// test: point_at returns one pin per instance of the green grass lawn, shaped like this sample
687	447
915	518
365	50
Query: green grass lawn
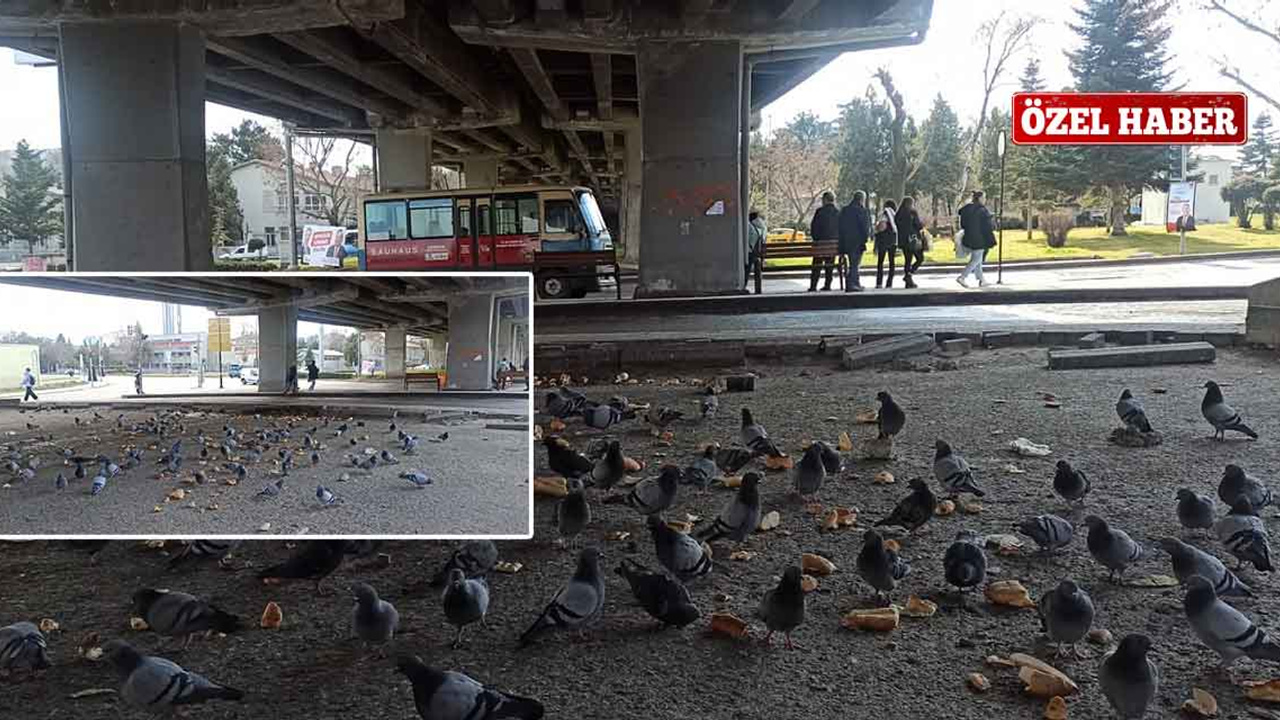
1087	243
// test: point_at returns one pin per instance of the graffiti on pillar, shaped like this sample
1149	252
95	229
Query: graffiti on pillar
699	199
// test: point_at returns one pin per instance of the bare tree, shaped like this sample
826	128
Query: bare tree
1272	34
798	161
329	172
904	167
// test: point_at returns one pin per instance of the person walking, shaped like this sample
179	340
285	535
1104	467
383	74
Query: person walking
756	232
979	237
291	380
28	385
886	242
855	230
910	239
824	228
137	381
313	374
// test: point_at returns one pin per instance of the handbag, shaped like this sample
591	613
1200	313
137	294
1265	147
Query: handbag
926	241
961	251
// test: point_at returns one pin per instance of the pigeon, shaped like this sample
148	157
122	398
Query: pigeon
610	469
80	472
197	550
177	614
444	695
952	472
410	445
1066	614
1049	532
703	471
1236	482
317	560
23	647
809	473
563	459
465	601
1070	483
1195	511
662	416
1244	536
601	417
783	607
1190	560
386	457
732	459
880	567
1131	413
740	516
652	496
441	437
682	556
373	619
474	558
417	478
271	489
1128	678
965	564
573	513
710	404
368	463
99	483
60	482
155	684
315	458
1224	629
913	510
891	417
756	438
326	496
563	403
666	600
1113	549
577	604
1220	415
831	460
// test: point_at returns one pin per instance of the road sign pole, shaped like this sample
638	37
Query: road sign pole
1182	235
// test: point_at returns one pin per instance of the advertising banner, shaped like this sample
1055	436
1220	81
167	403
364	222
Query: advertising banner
1180	214
321	243
1069	118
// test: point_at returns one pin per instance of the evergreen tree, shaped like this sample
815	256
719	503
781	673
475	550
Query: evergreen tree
1256	155
942	155
864	149
30	208
988	176
1122	50
1031	80
248	141
226	219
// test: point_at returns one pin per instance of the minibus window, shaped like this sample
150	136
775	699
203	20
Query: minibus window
431	218
385	220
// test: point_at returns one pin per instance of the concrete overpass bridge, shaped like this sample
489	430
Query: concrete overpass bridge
462	317
648	102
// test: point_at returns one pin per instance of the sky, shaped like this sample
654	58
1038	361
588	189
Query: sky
948	61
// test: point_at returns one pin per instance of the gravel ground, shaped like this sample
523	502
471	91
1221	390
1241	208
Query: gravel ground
626	669
468	497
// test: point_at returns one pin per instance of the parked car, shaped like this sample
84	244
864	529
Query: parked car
249	376
242	252
233	370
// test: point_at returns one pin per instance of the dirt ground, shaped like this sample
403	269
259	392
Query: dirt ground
480	478
626	669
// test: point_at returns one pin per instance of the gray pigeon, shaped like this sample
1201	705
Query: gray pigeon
453	696
1245	536
1113	549
652	496
601	417
891	418
1066	614
1131	412
1070	483
1224	629
1049	532
1189	560
965	564
831	460
474	558
156	684
683	556
740	516
666	600
1220	415
373	619
465	601
710	404
809	473
573	513
756	438
783	607
23	647
177	614
610	469
703	471
1235	482
1195	511
879	566
577	604
1128	678
953	472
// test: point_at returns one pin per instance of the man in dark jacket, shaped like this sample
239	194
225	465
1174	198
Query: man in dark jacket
824	228
979	237
313	374
855	231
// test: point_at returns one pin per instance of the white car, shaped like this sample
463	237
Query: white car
242	252
249	376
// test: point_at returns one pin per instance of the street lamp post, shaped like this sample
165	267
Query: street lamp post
1000	214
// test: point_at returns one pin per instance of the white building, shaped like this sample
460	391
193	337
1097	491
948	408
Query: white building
263	194
1210	207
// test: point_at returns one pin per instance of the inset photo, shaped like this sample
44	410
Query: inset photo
238	405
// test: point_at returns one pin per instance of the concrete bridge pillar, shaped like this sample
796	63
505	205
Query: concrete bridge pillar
134	106
632	205
1262	324
480	173
470	364
404	160
277	346
691	237
396	348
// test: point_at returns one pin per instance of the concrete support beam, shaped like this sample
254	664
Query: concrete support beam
470	363
404	160
602	77
885	350
690	242
480	173
236	17
1262	324
134	99
1137	356
277	347
632	205
396	346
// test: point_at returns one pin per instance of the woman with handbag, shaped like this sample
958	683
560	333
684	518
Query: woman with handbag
886	242
910	239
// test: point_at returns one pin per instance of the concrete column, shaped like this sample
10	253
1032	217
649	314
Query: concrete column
404	160
277	346
632	206
134	100
470	365
395	348
1262	323
480	173
690	241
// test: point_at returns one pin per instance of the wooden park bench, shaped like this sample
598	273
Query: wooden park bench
555	265
778	251
506	378
434	377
